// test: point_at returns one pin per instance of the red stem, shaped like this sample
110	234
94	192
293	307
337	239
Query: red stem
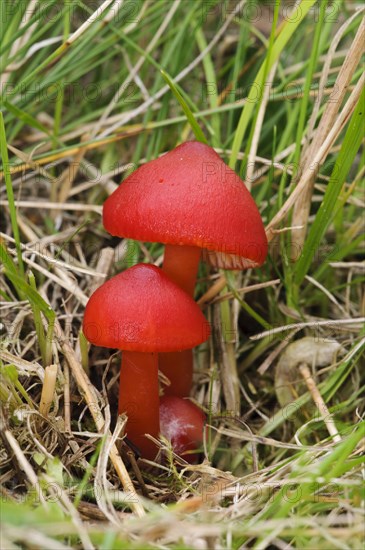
181	266
139	398
177	366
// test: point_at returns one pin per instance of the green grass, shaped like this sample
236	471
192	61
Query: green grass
10	194
349	149
74	121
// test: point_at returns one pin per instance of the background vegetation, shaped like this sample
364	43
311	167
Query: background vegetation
278	89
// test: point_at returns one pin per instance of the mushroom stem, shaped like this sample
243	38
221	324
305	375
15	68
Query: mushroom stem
139	398
177	366
181	266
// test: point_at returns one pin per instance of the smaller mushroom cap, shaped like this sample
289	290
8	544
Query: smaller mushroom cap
140	309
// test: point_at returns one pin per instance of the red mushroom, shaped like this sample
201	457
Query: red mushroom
182	423
191	201
141	312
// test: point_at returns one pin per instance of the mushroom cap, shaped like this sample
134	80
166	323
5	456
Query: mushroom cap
140	309
189	196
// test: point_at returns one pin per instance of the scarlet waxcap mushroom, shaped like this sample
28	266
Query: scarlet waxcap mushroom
190	197
142	312
191	201
182	423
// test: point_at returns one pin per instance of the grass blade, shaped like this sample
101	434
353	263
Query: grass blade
211	80
10	193
6	259
189	115
32	295
24	117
